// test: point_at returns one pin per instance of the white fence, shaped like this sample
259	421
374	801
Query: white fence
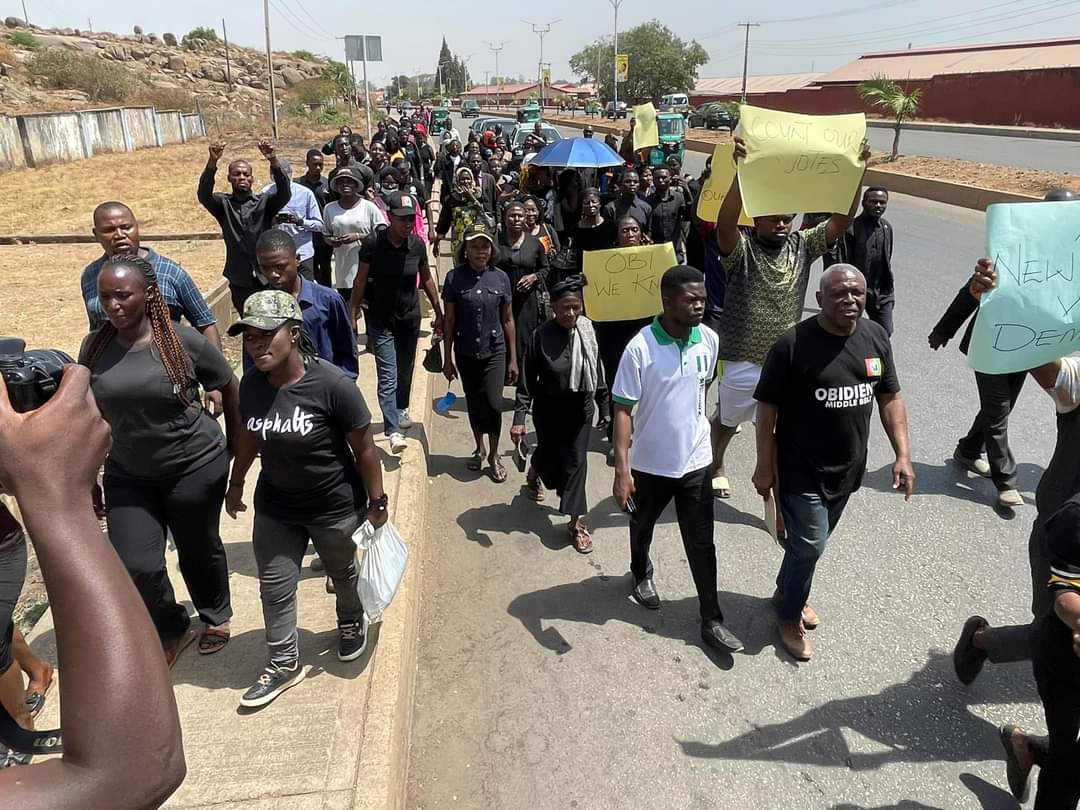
37	139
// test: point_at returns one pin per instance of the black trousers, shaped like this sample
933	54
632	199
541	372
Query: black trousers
880	312
990	430
12	578
139	512
1057	756
323	252
483	380
611	340
1012	642
694	510
241	294
307	268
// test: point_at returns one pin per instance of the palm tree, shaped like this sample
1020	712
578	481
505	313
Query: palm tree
883	92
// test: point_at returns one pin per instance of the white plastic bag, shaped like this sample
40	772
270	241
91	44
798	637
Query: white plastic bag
381	567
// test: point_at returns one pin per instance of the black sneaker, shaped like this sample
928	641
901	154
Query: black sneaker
273	681
352	639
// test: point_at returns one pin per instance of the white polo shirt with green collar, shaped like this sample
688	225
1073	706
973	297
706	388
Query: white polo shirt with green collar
665	380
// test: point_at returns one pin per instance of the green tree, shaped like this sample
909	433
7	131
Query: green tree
455	75
338	75
202	32
660	62
901	105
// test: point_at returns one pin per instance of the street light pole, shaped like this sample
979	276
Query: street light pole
746	54
615	60
270	70
498	78
541	32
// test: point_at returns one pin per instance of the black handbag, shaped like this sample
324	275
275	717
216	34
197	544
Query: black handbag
433	361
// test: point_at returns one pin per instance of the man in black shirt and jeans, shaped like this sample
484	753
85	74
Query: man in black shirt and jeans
391	261
815	398
243	216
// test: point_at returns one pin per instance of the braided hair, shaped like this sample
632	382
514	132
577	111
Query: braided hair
173	355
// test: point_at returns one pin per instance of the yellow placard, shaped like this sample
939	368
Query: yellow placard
799	163
645	131
718	184
624	283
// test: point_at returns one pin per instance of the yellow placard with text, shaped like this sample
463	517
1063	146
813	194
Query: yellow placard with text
624	283
799	163
645	130
718	185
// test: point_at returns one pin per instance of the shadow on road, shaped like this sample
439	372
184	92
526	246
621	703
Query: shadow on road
955	482
923	719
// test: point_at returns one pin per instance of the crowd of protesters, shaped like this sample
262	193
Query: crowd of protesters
308	258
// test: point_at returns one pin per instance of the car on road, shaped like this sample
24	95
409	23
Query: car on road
470	108
712	115
529	113
487	122
522	131
613	110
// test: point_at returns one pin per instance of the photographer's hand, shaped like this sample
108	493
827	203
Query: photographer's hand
117	753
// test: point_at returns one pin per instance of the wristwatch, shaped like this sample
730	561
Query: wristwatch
379	503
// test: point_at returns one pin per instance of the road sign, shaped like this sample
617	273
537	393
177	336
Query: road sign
354	49
622	67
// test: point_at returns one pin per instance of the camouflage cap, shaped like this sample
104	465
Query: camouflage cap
267	310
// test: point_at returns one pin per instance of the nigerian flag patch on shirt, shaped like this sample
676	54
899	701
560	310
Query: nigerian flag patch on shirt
873	366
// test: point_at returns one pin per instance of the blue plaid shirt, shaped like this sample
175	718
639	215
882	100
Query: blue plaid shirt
177	288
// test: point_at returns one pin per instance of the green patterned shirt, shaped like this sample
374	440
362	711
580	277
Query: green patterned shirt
764	292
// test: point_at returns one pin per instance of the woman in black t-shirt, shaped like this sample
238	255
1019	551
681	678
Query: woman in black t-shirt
479	327
168	463
592	231
320	479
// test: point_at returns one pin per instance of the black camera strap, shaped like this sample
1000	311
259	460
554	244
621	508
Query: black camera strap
17	738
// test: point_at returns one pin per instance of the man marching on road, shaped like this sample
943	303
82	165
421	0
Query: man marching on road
815	398
243	216
867	244
659	396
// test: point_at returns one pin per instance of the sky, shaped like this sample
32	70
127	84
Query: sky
790	39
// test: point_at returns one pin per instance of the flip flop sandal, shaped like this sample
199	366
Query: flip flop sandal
581	539
475	462
172	652
721	487
35	701
498	472
212	640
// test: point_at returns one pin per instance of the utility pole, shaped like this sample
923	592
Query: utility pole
541	32
228	64
26	17
270	70
746	54
615	60
89	24
498	78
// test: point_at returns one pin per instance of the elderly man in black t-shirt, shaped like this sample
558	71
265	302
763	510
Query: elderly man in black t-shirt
816	395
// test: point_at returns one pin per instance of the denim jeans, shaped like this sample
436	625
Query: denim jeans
809	520
394	347
279	549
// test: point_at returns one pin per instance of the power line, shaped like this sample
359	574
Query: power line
923	28
843	13
288	15
314	20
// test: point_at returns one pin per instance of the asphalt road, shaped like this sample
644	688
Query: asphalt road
541	684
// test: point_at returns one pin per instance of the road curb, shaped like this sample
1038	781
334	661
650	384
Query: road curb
982	129
382	770
927	188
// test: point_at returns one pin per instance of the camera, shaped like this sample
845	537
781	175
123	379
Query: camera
31	376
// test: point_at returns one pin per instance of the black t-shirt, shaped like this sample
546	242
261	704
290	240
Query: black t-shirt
392	281
154	434
10	531
823	386
308	470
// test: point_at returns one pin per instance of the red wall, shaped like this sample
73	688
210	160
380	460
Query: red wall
1046	98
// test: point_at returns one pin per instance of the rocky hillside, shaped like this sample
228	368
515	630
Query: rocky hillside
164	62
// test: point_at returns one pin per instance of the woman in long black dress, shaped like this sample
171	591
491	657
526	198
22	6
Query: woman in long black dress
561	371
525	262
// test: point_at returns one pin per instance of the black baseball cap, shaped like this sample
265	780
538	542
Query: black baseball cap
400	204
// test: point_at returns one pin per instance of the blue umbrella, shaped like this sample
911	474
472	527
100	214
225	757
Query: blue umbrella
577	153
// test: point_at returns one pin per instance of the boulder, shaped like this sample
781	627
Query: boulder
212	72
259	84
140	53
176	62
170	39
154	39
291	76
137	29
14	22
